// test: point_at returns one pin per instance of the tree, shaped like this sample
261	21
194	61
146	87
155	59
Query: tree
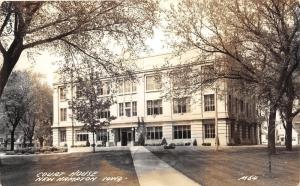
289	108
89	27
43	129
37	118
255	42
87	107
15	101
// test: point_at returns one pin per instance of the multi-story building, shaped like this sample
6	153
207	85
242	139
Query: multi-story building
140	108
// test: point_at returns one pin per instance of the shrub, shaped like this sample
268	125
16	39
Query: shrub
195	142
164	141
170	146
180	144
65	145
10	153
187	144
206	144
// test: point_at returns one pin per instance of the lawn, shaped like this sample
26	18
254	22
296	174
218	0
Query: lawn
233	166
101	168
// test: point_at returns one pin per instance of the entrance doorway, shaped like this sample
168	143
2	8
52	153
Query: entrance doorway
124	138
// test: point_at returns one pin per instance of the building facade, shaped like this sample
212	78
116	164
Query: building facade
142	111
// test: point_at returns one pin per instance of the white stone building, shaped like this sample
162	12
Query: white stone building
140	108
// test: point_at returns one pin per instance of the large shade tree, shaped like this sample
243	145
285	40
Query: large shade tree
15	101
255	42
89	27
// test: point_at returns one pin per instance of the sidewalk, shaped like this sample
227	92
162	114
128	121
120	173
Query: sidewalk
153	171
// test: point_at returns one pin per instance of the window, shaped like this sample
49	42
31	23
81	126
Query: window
182	132
153	83
242	105
62	135
105	114
232	130
229	104
244	132
79	93
1	140
63	114
247	109
121	109
236	105
154	133
120	86
62	93
102	135
129	108
154	107
181	105
134	108
209	130
207	73
103	88
209	102
126	86
82	136
249	132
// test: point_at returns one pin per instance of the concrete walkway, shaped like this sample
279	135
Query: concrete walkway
153	171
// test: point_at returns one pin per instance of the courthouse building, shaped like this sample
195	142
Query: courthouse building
141	110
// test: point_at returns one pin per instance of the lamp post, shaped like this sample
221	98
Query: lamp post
216	120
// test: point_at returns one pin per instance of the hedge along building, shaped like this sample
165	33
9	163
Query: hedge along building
142	109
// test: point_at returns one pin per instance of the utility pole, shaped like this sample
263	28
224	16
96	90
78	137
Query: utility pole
72	85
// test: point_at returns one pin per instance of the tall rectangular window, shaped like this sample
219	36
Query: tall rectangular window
153	83
103	88
249	132
229	104
242	105
62	93
236	105
128	109
134	108
62	135
154	133
181	105
209	102
209	130
120	86
121	109
154	107
244	132
182	132
63	114
207	74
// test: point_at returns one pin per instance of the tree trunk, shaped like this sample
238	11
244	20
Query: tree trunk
12	139
94	148
10	60
288	135
271	129
41	141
